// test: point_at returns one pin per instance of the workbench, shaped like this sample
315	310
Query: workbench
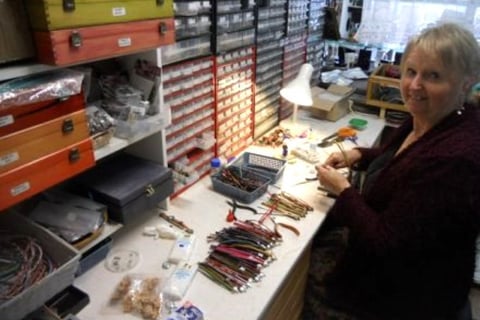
279	295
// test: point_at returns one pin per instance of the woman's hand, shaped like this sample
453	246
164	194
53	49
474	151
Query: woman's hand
337	160
331	179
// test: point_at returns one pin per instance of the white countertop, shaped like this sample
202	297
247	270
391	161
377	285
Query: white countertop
205	211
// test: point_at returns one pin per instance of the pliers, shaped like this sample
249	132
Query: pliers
235	205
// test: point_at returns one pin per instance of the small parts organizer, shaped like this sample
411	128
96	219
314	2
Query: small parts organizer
234	26
234	97
192	31
293	58
189	93
269	65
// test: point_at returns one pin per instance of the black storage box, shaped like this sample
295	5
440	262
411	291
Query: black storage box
128	186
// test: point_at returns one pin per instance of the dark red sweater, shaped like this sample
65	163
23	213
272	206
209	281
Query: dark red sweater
412	235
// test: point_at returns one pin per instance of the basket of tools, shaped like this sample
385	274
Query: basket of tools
241	184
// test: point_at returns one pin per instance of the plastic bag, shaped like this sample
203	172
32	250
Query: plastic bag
40	87
139	294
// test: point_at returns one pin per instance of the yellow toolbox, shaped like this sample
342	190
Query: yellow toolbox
63	14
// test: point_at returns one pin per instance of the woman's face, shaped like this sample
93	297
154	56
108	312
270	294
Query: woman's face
430	89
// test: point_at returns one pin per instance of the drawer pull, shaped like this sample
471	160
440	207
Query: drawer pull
149	190
68	5
68	126
74	155
162	28
160	2
76	39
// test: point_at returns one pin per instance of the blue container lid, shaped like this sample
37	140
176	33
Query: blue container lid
215	163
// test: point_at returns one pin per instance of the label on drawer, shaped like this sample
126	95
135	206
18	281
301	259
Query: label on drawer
6	120
8	158
21	188
124	42
119	11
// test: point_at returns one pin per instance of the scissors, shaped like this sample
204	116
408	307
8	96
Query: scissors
338	136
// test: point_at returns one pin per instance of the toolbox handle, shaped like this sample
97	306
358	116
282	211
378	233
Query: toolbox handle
74	155
75	39
162	28
68	126
68	5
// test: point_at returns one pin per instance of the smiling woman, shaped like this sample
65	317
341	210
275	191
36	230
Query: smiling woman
405	244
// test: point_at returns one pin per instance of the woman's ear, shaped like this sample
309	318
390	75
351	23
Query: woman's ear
468	84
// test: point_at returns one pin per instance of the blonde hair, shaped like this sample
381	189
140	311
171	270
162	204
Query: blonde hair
456	47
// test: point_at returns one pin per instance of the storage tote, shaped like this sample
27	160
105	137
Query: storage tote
65	259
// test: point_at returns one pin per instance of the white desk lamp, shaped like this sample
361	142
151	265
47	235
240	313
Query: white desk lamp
298	90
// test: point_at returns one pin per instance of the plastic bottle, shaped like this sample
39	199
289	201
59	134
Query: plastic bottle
215	166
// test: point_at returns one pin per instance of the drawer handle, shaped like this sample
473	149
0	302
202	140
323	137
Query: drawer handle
76	39
67	126
162	28
160	2
150	191
68	5
74	155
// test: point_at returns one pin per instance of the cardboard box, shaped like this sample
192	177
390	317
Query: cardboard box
331	104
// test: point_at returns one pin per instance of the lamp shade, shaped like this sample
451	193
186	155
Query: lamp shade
298	90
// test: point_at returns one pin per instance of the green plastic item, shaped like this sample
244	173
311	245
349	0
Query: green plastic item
357	123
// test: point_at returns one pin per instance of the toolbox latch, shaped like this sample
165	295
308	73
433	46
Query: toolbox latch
162	28
67	126
68	5
75	39
74	155
149	190
160	2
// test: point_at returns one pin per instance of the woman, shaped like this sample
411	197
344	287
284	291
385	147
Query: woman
410	252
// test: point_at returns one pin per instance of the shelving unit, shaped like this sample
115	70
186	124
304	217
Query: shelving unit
350	17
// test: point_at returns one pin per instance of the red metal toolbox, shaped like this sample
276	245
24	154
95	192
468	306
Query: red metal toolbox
25	181
64	14
73	46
